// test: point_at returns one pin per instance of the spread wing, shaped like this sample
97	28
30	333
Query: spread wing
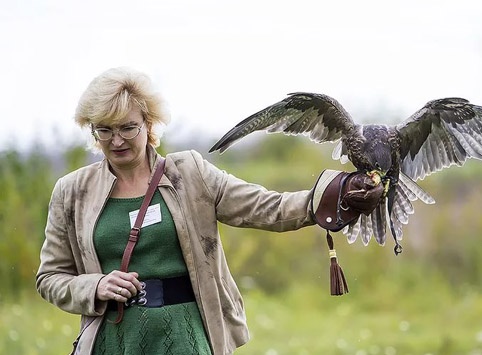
444	132
317	116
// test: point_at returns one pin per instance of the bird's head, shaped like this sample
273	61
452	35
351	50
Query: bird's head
379	157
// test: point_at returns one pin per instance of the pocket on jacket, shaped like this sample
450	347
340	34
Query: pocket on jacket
236	303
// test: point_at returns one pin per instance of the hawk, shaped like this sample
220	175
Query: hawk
442	133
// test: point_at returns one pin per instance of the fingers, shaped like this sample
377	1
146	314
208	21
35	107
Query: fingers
120	295
129	281
118	286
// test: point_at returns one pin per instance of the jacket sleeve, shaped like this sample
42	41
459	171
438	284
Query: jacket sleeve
243	204
59	280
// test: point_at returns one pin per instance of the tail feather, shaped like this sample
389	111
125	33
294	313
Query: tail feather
378	217
401	207
366	229
404	198
352	230
395	216
416	189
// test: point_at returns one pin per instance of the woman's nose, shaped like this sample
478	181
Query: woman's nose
117	140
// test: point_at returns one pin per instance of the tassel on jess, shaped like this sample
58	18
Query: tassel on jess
338	285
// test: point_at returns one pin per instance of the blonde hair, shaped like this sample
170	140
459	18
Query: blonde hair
110	96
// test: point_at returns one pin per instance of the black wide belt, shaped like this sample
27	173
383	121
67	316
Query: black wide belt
161	292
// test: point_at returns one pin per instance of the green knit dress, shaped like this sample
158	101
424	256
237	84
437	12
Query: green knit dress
174	329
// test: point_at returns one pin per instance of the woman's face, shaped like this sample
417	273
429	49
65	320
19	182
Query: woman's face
125	153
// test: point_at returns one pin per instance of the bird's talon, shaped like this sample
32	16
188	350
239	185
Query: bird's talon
375	176
387	186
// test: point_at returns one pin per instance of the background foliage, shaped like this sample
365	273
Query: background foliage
428	300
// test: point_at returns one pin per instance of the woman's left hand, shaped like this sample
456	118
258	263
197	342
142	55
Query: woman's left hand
118	286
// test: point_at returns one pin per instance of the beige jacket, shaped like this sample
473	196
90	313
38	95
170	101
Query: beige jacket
198	195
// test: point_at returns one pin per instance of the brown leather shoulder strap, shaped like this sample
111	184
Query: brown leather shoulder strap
136	229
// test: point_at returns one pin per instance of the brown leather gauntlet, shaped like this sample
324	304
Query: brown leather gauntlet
339	198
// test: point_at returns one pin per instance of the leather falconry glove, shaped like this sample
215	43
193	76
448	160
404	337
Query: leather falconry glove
338	199
361	193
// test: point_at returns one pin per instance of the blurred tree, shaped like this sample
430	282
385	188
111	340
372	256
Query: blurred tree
24	191
75	157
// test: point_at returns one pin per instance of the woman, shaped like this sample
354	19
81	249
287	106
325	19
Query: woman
88	226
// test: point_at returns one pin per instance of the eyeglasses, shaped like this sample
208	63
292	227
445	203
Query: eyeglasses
128	132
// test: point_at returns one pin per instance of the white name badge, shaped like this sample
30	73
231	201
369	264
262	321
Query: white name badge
153	215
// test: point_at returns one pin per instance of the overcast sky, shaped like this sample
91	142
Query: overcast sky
218	61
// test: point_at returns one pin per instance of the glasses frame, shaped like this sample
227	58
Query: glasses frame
117	130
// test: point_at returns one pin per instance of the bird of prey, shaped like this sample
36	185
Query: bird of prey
442	133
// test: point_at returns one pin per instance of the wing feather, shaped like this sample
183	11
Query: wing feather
317	116
340	152
443	133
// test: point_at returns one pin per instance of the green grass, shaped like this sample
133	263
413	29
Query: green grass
301	323
31	326
430	318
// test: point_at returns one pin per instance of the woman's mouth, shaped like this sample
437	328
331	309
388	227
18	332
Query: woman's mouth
120	151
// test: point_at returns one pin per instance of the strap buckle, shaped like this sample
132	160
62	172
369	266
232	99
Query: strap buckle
151	295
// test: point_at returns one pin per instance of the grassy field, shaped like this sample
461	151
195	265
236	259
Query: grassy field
301	323
302	320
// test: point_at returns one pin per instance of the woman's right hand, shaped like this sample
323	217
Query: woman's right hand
118	286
